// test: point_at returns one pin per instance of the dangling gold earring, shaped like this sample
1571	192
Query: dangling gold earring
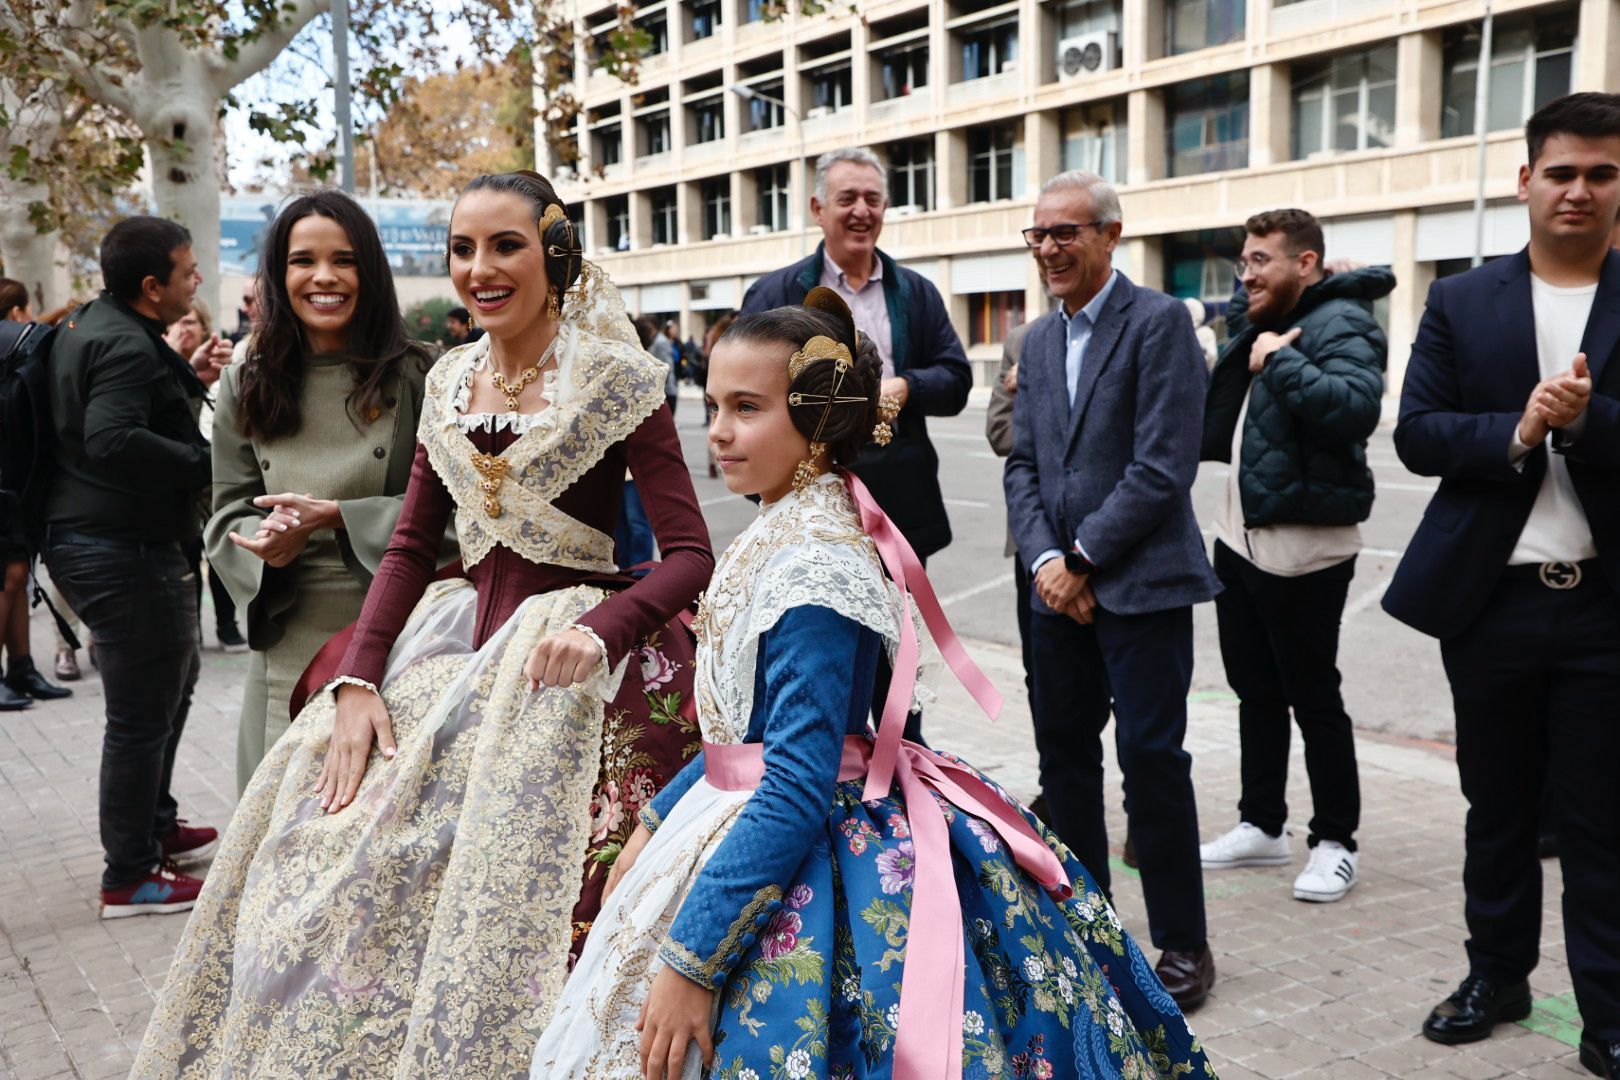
553	307
805	473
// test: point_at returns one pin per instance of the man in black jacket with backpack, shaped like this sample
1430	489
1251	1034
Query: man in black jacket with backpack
130	467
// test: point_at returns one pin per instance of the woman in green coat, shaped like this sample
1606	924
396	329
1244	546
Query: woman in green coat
314	433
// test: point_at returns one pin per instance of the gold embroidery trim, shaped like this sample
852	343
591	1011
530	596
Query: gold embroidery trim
649	818
708	973
492	470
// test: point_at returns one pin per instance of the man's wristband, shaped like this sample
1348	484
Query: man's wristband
1076	563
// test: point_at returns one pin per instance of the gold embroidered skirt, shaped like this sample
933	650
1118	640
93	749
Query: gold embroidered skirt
424	930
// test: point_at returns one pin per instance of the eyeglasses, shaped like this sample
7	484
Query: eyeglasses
1257	262
1062	235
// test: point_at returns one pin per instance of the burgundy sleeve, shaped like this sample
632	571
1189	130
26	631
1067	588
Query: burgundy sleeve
408	565
654	455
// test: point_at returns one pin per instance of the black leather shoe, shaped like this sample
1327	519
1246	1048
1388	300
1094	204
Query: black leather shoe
1600	1058
11	701
1188	976
25	678
1477	1006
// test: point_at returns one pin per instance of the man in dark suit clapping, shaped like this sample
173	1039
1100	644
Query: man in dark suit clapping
1105	450
1512	398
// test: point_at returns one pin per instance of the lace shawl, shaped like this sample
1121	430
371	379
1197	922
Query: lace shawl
607	386
807	548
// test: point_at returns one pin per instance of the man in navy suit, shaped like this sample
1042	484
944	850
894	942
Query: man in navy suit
1105	448
1512	398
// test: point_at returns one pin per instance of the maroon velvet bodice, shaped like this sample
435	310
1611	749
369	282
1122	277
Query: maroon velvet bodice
504	579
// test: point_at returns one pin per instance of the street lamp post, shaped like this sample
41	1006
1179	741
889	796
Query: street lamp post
748	93
340	76
1482	99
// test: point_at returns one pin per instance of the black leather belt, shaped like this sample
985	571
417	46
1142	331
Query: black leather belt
1554	575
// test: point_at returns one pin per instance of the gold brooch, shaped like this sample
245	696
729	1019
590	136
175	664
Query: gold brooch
888	409
493	470
820	347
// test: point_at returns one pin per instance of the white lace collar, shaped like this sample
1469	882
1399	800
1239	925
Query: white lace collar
551	388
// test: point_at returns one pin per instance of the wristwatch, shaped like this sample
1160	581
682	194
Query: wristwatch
1076	563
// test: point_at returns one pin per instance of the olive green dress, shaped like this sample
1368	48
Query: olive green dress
364	467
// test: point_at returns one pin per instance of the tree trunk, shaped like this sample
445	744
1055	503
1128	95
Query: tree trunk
37	259
179	135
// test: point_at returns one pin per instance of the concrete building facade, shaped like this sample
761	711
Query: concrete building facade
692	181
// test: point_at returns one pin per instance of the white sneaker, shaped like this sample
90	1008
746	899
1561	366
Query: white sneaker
1328	876
1246	845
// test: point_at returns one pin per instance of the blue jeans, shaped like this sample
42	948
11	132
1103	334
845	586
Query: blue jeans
140	603
633	536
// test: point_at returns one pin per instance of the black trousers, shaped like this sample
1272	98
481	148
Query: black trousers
140	603
1536	687
1024	584
1140	667
224	605
1280	644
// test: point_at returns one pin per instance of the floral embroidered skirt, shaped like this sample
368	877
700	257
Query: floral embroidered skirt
425	930
1053	988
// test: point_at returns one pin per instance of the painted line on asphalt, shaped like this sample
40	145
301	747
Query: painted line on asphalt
718	499
1368	599
1000	582
971	504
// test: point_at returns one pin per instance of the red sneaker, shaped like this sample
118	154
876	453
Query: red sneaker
160	892
186	846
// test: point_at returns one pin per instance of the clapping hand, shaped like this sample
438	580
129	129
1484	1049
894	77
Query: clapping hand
210	358
1562	400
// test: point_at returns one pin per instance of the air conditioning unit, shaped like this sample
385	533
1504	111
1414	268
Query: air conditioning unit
1088	54
759	230
818	112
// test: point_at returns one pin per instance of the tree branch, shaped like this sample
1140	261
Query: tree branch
114	95
256	55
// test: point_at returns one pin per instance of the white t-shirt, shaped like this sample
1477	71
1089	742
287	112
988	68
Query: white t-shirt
1283	550
1557	530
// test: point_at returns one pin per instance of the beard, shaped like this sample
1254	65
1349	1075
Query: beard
1268	310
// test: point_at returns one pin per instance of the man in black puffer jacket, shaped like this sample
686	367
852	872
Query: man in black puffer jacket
1291	404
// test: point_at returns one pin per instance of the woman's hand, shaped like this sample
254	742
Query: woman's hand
627	858
361	716
313	513
677	1011
564	659
280	540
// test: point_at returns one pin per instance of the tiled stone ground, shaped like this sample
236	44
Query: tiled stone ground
1331	991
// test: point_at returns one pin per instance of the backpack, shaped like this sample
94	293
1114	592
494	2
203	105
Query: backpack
26	434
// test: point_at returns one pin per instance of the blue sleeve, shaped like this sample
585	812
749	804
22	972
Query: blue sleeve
808	662
653	814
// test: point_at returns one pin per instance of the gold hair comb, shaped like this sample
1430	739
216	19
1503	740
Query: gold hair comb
554	213
820	347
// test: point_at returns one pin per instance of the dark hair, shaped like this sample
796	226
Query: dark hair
138	248
847	428
646	329
563	252
13	295
1589	115
273	374
460	314
1300	227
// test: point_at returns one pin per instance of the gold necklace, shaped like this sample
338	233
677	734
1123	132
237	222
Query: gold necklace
525	377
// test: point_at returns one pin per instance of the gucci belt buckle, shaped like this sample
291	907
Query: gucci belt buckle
1560	575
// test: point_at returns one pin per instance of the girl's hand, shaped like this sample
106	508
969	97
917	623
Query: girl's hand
676	1012
361	717
564	659
278	542
627	858
312	512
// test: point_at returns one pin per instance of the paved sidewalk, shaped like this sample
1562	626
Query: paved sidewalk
1332	991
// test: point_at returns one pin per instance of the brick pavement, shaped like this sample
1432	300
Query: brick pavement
1332	991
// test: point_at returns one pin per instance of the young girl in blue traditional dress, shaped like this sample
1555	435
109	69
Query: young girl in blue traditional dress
806	899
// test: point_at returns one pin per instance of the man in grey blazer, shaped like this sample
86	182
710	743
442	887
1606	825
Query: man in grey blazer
1105	449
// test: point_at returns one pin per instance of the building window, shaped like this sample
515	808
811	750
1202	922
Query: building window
1344	103
772	183
830	89
902	71
657	27
654	133
1094	140
716	196
665	216
1531	59
755	10
608	145
1199	265
1208	124
1191	25
989	50
911	173
763	114
992	315
709	121
618	223
1087	17
705	18
990	162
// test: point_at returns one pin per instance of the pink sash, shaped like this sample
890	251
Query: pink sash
928	1038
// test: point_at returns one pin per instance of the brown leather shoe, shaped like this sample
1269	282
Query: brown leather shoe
1188	976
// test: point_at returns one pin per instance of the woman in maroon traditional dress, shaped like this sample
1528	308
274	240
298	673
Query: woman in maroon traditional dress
414	865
